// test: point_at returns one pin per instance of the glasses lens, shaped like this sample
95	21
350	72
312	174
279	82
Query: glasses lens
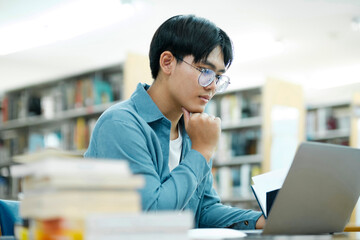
206	77
222	83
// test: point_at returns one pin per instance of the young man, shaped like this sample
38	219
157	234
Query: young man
162	130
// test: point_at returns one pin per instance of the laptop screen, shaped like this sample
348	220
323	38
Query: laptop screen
319	193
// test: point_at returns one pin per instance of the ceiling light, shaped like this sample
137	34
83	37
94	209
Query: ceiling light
332	77
256	46
61	23
355	24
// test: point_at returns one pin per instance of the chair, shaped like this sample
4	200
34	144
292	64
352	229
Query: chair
9	215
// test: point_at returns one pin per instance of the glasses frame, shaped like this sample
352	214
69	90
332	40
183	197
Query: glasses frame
217	77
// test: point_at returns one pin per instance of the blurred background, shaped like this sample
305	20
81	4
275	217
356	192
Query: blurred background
311	42
54	52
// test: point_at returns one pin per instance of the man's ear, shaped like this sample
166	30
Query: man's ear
167	62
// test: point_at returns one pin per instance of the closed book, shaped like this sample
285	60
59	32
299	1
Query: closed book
58	165
78	204
45	153
94	181
126	224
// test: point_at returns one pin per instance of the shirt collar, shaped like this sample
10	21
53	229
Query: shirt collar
145	106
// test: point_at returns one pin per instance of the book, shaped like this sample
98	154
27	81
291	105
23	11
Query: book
5	109
142	225
56	228
81	134
60	184
102	90
215	233
78	204
60	166
44	153
265	188
94	181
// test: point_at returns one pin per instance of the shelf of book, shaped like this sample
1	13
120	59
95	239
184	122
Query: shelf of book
57	117
336	123
238	161
248	133
354	141
58	113
251	122
329	123
329	134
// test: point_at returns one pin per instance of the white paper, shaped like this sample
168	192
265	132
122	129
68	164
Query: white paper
267	182
215	233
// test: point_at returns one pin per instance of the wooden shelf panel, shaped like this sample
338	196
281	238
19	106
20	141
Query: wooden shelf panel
241	160
329	134
243	123
7	164
60	116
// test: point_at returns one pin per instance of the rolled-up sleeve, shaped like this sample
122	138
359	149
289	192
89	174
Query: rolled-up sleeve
215	214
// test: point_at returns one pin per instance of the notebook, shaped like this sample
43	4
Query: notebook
319	193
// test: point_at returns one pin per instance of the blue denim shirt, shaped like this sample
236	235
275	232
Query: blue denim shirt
137	131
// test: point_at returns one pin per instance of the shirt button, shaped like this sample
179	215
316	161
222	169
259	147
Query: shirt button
246	223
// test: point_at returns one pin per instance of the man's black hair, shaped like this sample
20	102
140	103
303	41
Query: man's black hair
184	35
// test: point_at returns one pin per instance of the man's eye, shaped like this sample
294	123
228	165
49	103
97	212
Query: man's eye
206	70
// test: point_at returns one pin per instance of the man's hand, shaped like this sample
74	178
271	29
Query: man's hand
260	223
204	132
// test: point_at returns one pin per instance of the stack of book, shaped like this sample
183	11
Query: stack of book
60	190
161	225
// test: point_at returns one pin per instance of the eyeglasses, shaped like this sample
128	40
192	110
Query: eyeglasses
207	76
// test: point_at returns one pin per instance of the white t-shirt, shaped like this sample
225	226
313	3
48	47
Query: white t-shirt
175	151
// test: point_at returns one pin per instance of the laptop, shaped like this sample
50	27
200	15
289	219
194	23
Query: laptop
319	193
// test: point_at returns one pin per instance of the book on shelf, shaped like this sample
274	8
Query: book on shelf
5	109
44	139
72	134
323	121
4	154
81	134
238	143
230	110
102	90
235	181
14	142
265	188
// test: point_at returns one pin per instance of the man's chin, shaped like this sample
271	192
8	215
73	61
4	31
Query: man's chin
197	110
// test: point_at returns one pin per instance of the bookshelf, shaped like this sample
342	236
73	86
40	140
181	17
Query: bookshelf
336	123
58	113
355	142
251	135
62	112
329	123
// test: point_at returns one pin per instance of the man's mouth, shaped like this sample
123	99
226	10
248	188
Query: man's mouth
205	98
